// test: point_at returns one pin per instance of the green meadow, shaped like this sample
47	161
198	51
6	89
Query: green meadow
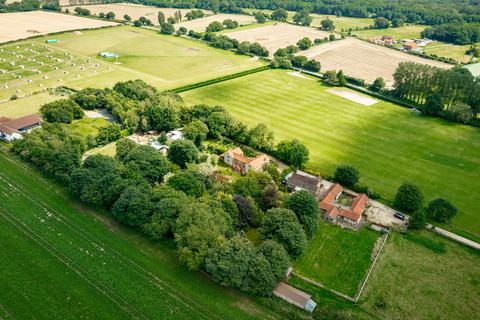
387	143
163	61
424	276
76	263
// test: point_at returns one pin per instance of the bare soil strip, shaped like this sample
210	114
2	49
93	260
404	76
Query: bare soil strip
353	96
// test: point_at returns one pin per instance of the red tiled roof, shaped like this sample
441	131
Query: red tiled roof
359	203
353	213
349	214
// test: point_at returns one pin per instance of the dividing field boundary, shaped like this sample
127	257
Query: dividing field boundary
359	293
219	79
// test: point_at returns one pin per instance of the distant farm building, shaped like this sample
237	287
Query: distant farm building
342	206
303	181
107	55
12	129
239	162
294	296
410	46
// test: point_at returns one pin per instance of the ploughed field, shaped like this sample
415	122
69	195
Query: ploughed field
363	60
21	25
387	143
77	264
277	35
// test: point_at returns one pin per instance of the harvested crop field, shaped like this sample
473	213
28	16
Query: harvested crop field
201	24
279	35
135	11
363	60
21	25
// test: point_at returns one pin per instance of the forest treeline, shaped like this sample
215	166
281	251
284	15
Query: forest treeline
430	12
454	33
451	93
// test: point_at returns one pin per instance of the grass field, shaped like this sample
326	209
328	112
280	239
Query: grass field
164	61
387	143
61	260
404	32
449	50
28	66
338	258
25	106
423	276
339	22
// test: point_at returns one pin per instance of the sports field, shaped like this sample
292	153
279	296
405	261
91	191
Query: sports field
387	143
338	258
363	60
424	276
77	264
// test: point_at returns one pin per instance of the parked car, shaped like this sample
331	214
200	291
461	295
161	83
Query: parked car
400	216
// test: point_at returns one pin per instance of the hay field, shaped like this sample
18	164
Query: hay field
135	11
388	144
279	35
363	60
22	25
201	24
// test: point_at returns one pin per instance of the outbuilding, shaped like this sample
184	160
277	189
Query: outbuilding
294	296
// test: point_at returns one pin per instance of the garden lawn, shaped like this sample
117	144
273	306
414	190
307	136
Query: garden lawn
424	276
387	143
164	61
62	260
88	126
338	258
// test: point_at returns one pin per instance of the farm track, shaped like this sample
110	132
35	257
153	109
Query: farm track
130	264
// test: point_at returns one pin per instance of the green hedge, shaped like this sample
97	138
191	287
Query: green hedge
220	79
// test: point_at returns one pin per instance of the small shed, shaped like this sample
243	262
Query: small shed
51	41
294	296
